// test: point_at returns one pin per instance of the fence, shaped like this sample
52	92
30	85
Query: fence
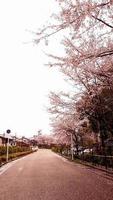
100	160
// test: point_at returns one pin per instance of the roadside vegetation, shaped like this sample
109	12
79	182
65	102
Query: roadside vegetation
84	156
14	152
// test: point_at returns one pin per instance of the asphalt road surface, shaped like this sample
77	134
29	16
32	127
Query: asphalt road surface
46	176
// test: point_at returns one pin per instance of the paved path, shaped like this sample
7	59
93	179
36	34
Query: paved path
46	176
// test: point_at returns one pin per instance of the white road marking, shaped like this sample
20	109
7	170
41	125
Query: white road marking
20	168
5	167
62	158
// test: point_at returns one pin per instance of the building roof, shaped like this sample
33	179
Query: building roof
6	136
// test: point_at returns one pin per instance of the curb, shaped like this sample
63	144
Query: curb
15	159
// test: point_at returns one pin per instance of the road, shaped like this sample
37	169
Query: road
46	176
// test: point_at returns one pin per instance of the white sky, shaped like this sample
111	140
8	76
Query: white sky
24	80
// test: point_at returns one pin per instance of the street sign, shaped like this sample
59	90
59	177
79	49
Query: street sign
8	131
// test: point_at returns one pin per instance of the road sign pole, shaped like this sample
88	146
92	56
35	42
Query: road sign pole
7	150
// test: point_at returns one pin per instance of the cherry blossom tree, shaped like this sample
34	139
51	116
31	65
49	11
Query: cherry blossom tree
87	63
88	46
66	121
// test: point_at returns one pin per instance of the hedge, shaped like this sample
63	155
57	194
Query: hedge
14	156
13	149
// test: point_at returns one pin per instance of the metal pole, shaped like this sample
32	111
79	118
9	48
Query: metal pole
7	149
72	147
7	153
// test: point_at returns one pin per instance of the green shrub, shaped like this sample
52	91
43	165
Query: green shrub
13	149
12	156
2	150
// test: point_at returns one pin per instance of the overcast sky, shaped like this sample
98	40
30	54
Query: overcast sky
24	80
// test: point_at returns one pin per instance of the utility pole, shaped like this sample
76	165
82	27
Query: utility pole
72	158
